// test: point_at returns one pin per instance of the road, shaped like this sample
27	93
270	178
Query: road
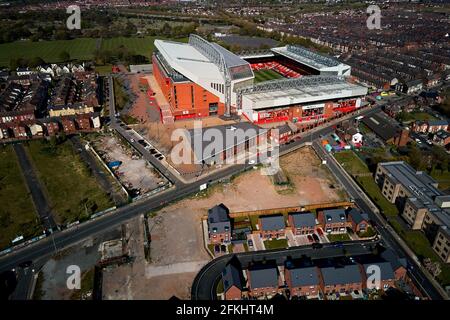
66	238
205	283
388	235
34	185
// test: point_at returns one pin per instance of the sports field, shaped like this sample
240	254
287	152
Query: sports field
266	75
79	49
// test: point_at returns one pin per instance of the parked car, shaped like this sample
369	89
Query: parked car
217	248
315	237
250	243
320	232
310	238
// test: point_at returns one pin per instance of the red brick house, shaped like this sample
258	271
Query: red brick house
271	227
303	281
342	280
302	223
51	127
68	125
83	122
357	220
263	281
232	282
333	221
219	224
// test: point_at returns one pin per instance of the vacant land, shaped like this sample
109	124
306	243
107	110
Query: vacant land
17	213
73	192
311	182
266	75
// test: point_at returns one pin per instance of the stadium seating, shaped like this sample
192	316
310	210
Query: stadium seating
277	67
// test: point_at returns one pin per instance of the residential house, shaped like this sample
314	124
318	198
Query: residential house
68	125
387	277
271	227
357	220
303	281
263	280
302	223
232	282
342	280
398	264
437	125
442	138
219	224
333	221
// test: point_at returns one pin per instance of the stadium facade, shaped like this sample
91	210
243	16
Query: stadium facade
201	78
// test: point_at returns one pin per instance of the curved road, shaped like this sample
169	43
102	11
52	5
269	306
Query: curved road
205	283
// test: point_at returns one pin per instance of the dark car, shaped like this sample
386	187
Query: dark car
217	248
339	245
250	243
315	237
317	245
310	238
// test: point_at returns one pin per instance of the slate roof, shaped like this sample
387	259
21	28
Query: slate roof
275	222
357	216
387	273
218	218
341	275
300	220
304	276
334	215
231	276
263	277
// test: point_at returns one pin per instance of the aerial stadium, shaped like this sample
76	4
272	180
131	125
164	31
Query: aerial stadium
201	78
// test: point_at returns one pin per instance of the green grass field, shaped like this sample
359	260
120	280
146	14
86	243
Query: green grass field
79	49
74	194
351	162
266	75
338	237
17	213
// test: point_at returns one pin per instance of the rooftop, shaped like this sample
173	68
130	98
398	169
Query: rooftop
304	276
307	57
263	277
334	215
307	219
275	222
341	275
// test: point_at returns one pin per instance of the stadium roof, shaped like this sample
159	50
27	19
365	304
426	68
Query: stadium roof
200	59
307	57
307	89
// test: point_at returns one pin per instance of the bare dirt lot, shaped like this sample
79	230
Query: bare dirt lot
134	172
177	250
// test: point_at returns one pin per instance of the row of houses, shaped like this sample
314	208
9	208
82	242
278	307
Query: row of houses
334	221
50	126
311	280
430	126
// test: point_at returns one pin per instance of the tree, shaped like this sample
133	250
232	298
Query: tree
64	56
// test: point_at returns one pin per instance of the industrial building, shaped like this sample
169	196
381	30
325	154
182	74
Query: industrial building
200	79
